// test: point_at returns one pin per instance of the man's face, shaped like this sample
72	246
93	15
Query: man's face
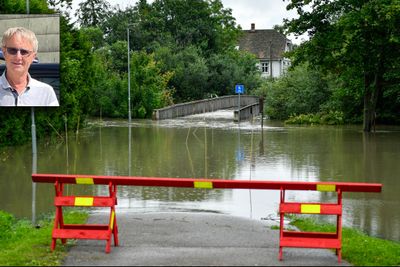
18	61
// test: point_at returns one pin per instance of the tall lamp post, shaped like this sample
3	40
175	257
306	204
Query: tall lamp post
34	150
129	78
129	107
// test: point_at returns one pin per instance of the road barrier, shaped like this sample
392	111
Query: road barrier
287	238
78	231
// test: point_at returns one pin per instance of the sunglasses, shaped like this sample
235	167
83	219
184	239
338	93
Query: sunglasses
13	51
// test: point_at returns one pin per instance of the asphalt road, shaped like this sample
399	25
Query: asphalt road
193	239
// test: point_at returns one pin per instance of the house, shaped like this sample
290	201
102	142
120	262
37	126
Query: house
268	46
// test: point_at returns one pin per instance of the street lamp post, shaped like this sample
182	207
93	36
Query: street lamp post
129	79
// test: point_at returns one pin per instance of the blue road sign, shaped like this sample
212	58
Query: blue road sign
239	155
239	88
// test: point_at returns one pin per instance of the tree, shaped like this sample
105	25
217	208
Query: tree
20	7
148	85
359	41
92	13
230	68
190	72
60	3
300	91
174	23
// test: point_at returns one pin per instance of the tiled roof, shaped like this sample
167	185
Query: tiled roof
258	42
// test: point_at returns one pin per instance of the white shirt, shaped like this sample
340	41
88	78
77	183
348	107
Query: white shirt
36	94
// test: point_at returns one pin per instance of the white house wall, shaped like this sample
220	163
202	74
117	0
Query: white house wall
277	70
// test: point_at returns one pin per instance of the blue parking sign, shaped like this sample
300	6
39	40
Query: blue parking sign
239	88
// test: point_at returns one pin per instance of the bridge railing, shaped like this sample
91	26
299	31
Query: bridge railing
246	112
202	106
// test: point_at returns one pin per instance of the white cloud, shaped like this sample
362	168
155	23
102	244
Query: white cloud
264	13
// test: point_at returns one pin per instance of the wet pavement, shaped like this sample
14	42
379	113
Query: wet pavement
192	239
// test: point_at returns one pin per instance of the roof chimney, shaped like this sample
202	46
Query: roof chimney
253	27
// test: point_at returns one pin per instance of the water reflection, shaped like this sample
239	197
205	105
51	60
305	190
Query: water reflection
199	147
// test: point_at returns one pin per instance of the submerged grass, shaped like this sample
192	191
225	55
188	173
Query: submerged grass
23	244
358	248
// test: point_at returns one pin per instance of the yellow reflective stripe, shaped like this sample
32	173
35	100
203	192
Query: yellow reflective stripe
311	208
112	220
83	201
326	187
203	184
84	180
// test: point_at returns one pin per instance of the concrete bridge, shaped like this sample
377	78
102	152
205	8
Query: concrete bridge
249	106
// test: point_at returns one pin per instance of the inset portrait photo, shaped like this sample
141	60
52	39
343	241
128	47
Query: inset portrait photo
30	60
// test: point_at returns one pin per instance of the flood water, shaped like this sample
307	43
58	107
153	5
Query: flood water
213	146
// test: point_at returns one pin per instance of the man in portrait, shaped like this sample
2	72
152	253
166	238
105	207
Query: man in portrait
17	88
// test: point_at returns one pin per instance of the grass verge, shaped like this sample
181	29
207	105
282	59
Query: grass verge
358	248
23	244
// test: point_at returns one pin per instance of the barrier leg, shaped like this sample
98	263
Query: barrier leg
53	239
56	226
111	228
108	246
115	232
281	224
339	227
112	225
58	218
114	229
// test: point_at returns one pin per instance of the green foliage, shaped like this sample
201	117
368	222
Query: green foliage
14	126
6	223
19	7
148	85
330	118
91	13
93	35
22	244
118	57
357	248
357	42
171	23
204	24
301	91
189	69
230	68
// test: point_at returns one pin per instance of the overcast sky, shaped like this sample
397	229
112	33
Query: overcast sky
264	13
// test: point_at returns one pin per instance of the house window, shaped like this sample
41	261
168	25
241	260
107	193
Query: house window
265	67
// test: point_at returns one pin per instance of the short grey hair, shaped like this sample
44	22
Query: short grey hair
28	34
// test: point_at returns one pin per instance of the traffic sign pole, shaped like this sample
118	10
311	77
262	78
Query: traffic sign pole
239	88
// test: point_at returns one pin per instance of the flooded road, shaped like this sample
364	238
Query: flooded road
213	146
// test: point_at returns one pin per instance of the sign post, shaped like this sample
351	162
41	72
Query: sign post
239	89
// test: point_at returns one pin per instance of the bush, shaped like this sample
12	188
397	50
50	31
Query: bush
6	223
300	91
330	118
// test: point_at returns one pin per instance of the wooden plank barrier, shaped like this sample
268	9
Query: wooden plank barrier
286	238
